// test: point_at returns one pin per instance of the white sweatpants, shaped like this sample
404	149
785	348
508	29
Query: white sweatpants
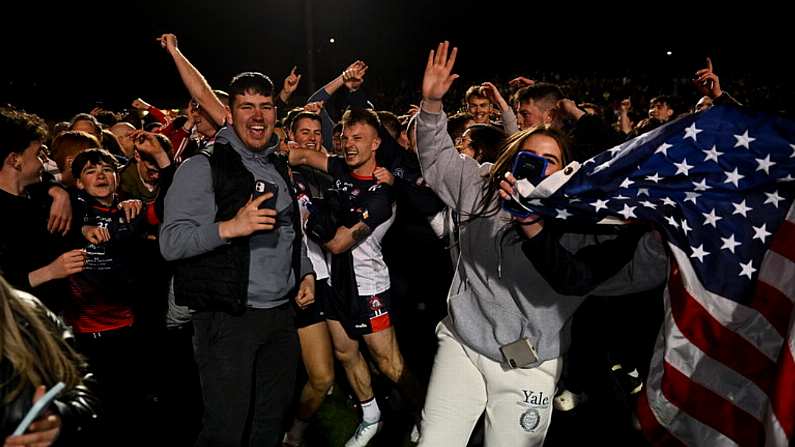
518	402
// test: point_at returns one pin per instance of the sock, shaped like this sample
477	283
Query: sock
370	411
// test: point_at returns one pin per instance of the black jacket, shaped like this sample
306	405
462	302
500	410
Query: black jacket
78	407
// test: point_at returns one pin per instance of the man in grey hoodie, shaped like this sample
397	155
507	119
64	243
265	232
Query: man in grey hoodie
501	347
239	260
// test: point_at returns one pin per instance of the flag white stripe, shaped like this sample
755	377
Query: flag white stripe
679	424
779	272
702	369
755	328
774	433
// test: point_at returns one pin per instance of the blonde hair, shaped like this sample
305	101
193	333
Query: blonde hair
37	354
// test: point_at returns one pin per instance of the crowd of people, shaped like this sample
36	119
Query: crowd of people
203	277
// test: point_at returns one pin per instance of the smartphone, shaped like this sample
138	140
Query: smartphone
262	187
526	165
519	354
38	407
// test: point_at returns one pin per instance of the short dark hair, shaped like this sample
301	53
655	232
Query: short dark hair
663	99
17	131
357	115
456	124
544	94
487	141
249	82
304	114
93	156
390	122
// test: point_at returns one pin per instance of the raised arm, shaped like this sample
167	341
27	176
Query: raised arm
194	81
456	179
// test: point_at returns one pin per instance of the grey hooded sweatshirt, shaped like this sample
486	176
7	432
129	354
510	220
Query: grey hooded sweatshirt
497	297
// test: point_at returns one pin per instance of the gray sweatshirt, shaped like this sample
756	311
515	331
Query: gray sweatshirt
189	227
497	297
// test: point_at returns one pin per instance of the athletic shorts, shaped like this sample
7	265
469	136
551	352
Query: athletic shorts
315	313
362	315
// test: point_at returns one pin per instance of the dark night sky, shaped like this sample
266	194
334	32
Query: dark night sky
62	58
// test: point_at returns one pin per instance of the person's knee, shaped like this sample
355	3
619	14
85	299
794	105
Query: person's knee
321	381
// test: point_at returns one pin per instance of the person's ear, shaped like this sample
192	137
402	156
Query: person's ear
14	161
669	112
375	144
80	184
137	156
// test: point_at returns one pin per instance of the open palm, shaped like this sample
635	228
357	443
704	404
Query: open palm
437	78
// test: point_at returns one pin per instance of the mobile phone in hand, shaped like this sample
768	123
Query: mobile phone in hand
529	166
38	407
263	187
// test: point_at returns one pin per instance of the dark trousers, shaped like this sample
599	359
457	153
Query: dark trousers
247	367
115	359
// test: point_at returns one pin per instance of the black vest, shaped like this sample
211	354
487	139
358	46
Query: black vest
218	280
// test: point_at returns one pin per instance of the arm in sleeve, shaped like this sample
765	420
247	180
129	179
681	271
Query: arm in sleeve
456	179
189	227
581	272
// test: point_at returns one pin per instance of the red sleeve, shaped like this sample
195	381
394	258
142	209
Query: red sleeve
151	214
158	115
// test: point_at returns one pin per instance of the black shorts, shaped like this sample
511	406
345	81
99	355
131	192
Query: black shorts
315	313
361	316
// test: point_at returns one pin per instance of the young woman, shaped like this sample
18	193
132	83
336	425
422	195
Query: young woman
34	356
501	346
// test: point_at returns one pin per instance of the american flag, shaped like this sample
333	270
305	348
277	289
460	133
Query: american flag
719	186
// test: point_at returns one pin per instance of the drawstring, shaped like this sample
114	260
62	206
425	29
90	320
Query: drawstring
500	240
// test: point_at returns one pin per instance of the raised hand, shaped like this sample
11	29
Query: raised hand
140	104
521	81
438	78
707	82
314	107
291	82
169	42
353	76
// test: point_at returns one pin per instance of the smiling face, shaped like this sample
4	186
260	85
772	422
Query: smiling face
307	134
30	163
99	181
253	118
359	142
480	108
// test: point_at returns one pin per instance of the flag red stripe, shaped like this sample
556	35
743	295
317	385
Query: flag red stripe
655	433
783	397
720	343
774	305
711	409
782	240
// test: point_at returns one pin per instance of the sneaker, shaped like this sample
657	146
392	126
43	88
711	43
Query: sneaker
290	442
364	433
566	400
629	382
